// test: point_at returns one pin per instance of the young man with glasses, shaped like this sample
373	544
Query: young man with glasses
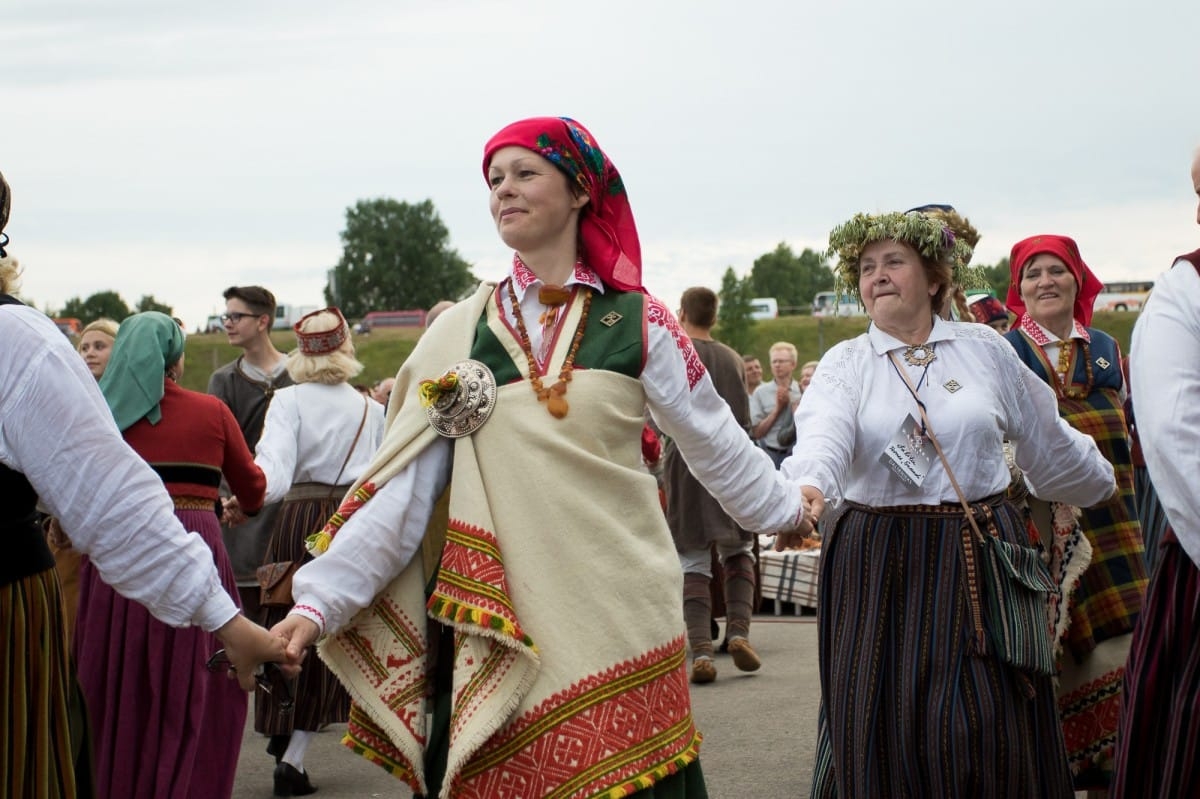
246	386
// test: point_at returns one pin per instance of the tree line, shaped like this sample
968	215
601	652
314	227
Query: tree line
396	255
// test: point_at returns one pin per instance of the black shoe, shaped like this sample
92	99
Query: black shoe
290	782
277	746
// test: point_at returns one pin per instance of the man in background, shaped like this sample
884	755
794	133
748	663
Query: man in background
754	373
772	405
246	386
697	521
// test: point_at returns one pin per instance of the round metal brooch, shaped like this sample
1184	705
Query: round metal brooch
463	410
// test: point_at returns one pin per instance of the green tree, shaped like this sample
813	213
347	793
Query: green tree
733	311
998	277
101	304
791	279
395	256
148	303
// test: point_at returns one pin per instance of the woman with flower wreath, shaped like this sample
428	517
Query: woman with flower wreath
1052	292
539	619
916	698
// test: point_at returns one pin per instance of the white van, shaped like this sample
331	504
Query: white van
764	308
828	303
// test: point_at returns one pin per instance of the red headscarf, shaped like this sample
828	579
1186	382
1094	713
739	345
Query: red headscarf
608	236
1087	285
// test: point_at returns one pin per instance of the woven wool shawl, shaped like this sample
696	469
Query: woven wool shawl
559	578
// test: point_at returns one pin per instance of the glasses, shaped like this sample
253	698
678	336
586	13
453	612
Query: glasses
236	317
268	676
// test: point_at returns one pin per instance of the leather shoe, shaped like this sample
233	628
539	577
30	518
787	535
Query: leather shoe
744	656
703	671
289	781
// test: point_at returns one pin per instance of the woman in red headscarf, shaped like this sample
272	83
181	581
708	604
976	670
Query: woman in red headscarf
554	660
1052	292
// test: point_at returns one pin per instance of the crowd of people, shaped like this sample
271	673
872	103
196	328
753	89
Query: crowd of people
480	564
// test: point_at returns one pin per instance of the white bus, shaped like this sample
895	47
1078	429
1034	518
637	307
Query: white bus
1128	295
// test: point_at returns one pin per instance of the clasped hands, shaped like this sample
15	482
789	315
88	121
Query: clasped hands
814	505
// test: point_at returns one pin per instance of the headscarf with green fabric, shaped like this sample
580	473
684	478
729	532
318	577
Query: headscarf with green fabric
147	343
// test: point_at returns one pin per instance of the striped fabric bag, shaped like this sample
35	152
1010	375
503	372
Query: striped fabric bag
1017	586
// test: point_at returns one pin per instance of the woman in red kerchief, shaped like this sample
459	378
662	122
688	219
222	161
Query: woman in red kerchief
538	617
1052	292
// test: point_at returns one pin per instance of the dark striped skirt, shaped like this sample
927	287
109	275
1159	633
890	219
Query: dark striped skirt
320	698
1151	514
37	758
1159	738
905	710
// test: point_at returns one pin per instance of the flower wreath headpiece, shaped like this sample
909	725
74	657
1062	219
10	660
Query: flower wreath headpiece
929	236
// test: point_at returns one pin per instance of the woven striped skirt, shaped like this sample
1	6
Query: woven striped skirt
1151	515
320	698
37	759
1159	740
905	710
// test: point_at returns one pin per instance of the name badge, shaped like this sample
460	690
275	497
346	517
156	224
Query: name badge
909	453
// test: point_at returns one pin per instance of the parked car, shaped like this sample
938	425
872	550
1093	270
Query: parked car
828	303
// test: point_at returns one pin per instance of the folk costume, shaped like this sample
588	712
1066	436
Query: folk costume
247	391
1085	374
161	723
134	540
551	595
1160	698
317	440
913	703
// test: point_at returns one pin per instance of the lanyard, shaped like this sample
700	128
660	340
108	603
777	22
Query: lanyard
908	384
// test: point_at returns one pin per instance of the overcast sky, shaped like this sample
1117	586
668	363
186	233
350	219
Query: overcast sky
175	149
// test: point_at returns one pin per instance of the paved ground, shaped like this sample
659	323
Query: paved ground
759	729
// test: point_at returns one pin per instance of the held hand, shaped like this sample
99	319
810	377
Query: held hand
815	501
783	396
55	535
247	645
232	515
299	633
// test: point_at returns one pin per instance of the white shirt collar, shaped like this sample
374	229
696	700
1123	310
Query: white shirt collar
523	278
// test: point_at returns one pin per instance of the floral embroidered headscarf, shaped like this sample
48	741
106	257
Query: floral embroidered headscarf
1087	284
608	236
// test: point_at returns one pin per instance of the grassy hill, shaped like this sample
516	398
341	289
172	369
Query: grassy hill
383	351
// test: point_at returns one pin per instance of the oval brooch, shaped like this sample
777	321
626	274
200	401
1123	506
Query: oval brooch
461	400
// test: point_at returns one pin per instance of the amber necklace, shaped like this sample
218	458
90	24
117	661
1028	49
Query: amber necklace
555	396
1065	349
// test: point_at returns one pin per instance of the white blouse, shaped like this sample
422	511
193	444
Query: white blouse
308	432
381	537
976	393
56	429
1164	371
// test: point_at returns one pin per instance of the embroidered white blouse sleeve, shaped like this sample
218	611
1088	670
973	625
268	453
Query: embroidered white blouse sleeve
1166	397
109	501
375	544
717	450
276	451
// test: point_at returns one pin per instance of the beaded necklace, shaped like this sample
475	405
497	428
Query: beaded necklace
1063	374
555	396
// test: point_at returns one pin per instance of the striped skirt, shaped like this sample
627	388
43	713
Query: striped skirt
1160	700
320	698
1151	514
905	710
37	759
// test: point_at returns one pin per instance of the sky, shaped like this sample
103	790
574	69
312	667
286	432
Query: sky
175	149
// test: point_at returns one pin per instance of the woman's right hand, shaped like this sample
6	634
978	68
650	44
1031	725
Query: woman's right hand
299	632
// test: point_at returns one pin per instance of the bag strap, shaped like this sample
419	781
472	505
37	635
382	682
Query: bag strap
353	444
968	547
